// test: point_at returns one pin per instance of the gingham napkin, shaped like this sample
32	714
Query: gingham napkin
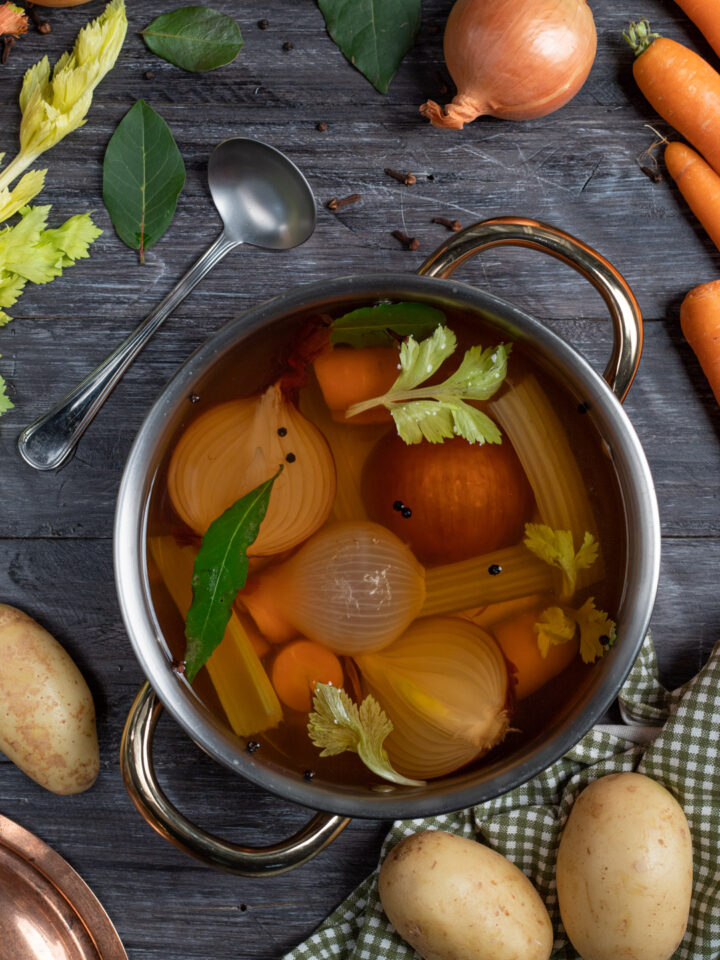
525	824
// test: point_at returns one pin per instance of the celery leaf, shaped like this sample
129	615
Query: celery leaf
437	412
556	548
553	628
337	724
559	624
5	401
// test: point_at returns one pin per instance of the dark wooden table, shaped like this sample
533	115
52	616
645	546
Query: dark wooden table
577	169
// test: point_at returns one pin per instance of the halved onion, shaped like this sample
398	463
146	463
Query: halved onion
236	446
444	685
354	586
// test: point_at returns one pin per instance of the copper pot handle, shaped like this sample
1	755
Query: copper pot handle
147	795
519	232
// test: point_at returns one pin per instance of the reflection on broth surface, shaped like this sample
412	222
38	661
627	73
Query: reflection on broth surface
462	586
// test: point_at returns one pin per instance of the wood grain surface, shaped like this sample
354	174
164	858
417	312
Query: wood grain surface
577	169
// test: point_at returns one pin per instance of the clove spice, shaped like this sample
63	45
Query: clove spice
453	225
39	22
338	202
407	178
410	243
7	44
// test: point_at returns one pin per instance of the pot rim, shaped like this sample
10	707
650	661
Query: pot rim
642	562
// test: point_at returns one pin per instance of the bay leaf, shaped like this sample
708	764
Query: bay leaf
194	38
220	570
143	174
373	34
370	326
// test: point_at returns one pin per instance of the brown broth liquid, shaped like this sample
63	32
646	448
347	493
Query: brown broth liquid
250	370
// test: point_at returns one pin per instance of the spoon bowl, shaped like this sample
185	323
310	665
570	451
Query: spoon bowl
261	196
263	200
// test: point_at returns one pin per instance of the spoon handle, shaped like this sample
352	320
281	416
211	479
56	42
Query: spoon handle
51	439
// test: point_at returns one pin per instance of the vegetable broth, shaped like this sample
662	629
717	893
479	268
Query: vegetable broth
251	368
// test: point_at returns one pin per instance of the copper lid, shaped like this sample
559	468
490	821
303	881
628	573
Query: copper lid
47	912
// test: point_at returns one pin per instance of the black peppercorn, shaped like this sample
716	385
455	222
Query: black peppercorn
291	458
263	24
288	45
406	512
194	398
494	569
309	774
398	505
252	746
282	431
583	407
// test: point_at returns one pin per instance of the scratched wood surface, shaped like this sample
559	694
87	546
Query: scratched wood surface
577	169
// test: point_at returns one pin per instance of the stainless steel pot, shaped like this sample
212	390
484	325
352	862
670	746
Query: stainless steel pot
494	777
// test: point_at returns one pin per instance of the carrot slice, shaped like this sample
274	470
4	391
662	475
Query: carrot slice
518	641
347	376
699	184
298	667
700	322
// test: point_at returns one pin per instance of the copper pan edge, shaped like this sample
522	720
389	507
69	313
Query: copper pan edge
50	907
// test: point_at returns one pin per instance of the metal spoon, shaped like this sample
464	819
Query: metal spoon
263	200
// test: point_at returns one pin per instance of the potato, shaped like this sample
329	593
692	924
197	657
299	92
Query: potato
47	715
624	870
454	899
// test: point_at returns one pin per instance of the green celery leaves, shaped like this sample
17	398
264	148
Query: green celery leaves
143	174
220	570
373	34
194	38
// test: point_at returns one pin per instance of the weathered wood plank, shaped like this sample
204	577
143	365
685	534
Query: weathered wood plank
577	169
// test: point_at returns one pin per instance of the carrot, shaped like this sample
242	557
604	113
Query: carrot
298	667
518	641
705	14
700	322
681	86
347	376
699	184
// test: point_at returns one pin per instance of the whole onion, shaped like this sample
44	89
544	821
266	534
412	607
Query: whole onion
514	59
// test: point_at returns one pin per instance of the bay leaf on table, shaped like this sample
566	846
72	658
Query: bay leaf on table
143	174
194	38
373	34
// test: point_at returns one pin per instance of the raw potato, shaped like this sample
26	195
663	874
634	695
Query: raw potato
624	870
47	715
455	899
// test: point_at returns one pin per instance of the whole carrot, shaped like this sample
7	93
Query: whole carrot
705	14
681	86
698	183
700	322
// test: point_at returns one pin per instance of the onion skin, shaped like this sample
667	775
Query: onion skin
514	59
353	587
445	685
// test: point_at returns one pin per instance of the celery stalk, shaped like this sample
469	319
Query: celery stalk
241	683
469	583
536	432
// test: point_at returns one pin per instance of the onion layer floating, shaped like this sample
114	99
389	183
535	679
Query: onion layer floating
514	59
354	587
236	446
444	684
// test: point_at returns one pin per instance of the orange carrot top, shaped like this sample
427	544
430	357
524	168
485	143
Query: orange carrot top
681	86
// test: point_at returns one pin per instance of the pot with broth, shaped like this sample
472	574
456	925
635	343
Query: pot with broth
439	559
386	528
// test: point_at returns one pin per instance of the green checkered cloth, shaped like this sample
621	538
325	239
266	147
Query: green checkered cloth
525	824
